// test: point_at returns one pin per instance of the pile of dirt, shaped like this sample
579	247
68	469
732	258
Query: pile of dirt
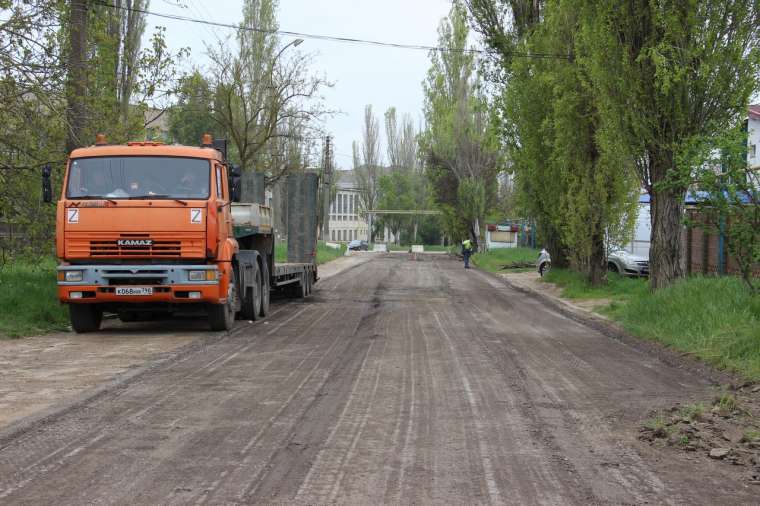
727	428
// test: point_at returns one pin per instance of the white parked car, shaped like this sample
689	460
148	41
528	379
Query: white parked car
627	264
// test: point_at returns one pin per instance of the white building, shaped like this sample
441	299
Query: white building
753	137
346	222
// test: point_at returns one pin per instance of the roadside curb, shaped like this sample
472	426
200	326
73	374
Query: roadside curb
609	328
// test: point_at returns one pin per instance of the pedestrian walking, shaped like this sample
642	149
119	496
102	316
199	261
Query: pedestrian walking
466	252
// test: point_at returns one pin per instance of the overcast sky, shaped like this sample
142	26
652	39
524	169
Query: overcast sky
383	77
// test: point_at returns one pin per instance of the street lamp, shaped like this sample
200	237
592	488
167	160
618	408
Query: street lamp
294	43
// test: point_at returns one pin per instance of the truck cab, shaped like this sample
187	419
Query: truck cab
147	227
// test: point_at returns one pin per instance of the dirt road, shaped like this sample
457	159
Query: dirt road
401	381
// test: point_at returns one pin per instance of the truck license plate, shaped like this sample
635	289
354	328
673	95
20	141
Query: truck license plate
134	290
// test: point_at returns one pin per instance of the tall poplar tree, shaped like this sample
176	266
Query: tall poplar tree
666	73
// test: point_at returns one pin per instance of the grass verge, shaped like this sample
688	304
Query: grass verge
495	259
324	253
29	301
715	319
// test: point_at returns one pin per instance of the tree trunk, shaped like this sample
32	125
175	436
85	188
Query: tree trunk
475	233
76	82
666	250
554	246
597	268
415	232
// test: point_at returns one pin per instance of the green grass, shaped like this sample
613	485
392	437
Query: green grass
575	286
715	319
324	252
495	259
28	300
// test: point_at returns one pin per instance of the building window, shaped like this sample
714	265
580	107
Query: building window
351	204
753	150
332	235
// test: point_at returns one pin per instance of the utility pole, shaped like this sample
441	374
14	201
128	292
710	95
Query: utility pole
327	173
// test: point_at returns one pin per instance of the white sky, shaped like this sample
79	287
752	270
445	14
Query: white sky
383	77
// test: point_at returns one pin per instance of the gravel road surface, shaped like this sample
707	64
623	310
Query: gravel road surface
400	381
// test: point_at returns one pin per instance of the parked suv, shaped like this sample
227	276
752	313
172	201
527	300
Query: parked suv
627	264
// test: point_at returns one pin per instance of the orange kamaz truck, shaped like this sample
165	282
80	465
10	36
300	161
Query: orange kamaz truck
147	228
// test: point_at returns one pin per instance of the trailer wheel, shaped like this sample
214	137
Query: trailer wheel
252	303
222	316
85	317
300	287
264	310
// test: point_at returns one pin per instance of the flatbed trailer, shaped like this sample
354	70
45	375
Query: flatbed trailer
252	227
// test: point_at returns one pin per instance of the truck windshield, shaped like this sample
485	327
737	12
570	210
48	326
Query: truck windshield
135	177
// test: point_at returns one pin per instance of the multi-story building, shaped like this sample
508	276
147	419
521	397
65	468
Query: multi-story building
346	221
753	137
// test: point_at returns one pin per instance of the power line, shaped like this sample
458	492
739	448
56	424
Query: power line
330	38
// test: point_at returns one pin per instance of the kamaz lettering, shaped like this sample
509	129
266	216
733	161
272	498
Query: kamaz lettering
135	242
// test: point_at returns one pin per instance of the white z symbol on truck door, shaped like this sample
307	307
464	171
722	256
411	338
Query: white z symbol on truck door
196	216
72	215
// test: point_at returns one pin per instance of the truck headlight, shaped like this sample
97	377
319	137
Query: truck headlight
204	275
73	276
196	275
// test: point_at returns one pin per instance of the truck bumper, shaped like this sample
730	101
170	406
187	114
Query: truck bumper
167	284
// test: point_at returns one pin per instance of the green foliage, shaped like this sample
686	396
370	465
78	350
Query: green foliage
579	195
664	74
692	412
729	196
494	260
576	286
460	142
192	115
122	79
708	317
324	253
712	318
397	191
28	299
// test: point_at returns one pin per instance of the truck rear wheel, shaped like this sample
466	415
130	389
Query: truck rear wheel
85	317
299	288
222	316
264	310
252	303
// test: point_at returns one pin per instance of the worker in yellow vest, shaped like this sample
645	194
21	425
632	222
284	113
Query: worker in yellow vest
466	252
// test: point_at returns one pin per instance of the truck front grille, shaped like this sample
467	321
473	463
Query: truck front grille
106	245
157	249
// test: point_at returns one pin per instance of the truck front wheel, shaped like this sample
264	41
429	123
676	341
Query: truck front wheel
85	317
222	316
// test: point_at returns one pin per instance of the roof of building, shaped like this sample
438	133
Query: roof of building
754	111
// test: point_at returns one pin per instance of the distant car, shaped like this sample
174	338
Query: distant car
357	245
627	264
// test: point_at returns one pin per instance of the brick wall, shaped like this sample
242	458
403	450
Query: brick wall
702	249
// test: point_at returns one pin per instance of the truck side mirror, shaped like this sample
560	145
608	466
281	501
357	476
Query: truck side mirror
234	183
47	187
